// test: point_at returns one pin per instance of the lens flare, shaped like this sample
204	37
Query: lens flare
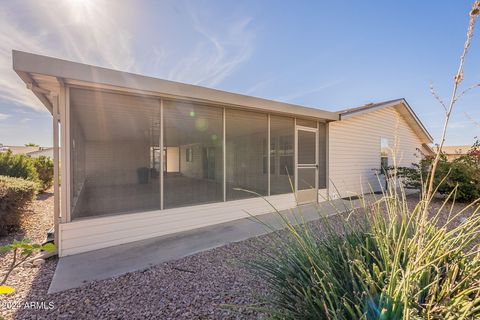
201	124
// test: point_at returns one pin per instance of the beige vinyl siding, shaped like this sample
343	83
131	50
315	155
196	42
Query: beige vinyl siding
354	148
91	234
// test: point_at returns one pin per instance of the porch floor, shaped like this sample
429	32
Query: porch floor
181	191
76	270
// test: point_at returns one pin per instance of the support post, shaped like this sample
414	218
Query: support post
64	165
56	186
224	150
161	154
268	154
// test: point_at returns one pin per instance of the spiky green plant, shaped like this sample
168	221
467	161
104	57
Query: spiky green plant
391	262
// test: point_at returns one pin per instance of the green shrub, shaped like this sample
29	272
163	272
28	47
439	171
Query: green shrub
18	165
16	194
461	174
397	264
44	167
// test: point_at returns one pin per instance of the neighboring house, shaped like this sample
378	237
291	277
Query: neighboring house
33	152
19	149
46	152
454	152
144	157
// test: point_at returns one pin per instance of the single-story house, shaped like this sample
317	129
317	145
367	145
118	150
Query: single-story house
31	151
144	157
19	149
42	152
455	152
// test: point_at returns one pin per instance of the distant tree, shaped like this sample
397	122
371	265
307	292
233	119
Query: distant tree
31	144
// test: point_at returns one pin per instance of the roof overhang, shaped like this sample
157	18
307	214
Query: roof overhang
402	106
44	75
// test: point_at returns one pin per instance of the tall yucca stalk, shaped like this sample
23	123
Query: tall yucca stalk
384	260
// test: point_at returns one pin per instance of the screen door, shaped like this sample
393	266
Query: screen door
306	178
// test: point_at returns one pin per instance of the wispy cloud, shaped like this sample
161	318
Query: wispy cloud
308	91
84	33
4	116
104	33
258	86
460	124
217	54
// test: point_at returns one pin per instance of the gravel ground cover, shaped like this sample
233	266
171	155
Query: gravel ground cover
210	285
37	220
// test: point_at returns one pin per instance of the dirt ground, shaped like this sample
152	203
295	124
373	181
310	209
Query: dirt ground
213	284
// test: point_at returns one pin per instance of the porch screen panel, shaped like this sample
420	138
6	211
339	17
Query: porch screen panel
282	136
193	149
246	154
322	155
114	153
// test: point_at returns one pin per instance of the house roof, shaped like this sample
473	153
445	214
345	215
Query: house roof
402	106
42	151
45	74
456	149
19	149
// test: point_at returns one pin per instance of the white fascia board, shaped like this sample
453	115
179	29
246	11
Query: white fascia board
68	70
400	102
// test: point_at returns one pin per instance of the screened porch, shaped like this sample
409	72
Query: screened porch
134	153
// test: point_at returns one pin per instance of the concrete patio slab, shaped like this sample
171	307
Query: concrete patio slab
76	270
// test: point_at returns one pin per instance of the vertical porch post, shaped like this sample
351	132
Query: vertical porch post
56	187
64	155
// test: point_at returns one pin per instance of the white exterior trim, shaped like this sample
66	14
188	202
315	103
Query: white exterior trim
268	154
224	154
56	175
305	165
63	156
161	155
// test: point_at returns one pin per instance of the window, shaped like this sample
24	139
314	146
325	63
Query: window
246	136
383	155
189	155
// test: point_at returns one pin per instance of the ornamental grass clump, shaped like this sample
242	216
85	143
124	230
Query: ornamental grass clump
387	259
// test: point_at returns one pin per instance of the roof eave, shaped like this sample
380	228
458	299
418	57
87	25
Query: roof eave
27	79
427	138
28	63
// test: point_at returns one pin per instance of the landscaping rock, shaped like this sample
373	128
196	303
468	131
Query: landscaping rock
213	284
38	262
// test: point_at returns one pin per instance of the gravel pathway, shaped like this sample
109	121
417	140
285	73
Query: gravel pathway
210	285
196	287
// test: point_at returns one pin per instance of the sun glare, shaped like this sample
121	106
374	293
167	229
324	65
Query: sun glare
81	8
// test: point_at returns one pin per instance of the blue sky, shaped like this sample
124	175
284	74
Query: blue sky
324	54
